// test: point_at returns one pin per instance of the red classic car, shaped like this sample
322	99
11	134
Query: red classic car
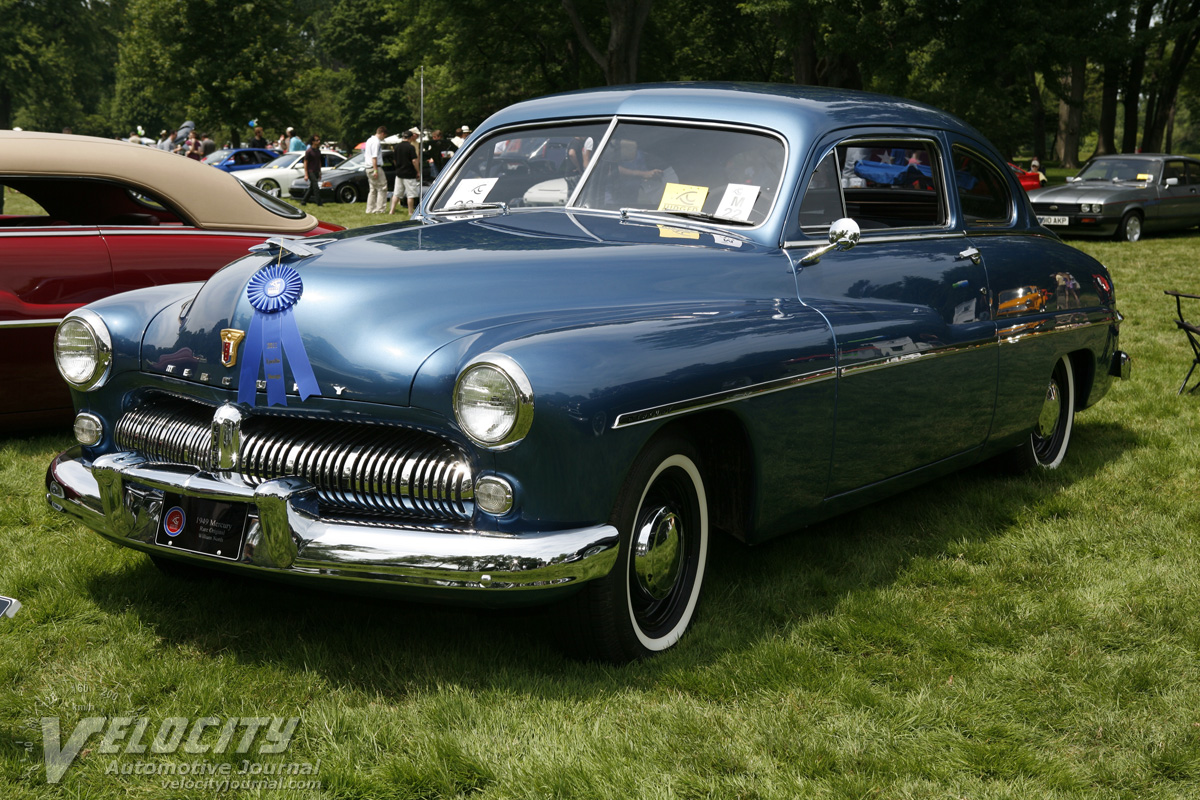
1028	180
113	216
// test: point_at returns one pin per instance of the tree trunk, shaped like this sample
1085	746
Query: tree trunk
1184	18
1135	75
1070	113
1106	142
626	20
6	108
1037	116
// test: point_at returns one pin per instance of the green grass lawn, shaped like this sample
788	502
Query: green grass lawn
986	636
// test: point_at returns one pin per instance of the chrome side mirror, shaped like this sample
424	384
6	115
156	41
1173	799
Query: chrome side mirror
1172	181
843	235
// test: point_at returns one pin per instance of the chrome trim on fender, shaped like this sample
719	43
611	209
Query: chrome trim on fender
720	398
30	323
120	497
909	358
1011	334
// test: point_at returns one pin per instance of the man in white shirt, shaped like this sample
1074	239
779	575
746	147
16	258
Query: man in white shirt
376	177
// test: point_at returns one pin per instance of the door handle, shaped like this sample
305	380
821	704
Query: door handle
972	254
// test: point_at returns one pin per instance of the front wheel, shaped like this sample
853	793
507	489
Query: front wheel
269	186
1130	227
648	600
1047	444
347	193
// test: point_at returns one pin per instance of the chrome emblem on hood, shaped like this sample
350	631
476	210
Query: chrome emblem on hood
230	339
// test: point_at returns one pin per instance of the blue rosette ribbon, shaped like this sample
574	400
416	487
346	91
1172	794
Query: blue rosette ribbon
272	291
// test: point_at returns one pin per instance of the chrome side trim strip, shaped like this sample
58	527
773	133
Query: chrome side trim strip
30	323
720	398
1011	334
35	233
868	238
910	358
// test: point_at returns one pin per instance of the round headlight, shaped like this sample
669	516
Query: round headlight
83	350
493	401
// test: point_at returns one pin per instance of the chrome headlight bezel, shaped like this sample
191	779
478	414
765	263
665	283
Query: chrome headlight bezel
102	358
521	397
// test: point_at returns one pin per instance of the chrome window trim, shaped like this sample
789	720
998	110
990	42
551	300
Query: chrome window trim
1012	200
859	139
885	238
721	398
30	323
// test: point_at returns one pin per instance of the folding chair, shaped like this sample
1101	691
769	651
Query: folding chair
1192	333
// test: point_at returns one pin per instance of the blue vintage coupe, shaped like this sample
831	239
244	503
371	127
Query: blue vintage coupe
623	320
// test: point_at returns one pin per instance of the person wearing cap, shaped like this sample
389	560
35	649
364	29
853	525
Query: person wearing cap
460	136
408	182
295	144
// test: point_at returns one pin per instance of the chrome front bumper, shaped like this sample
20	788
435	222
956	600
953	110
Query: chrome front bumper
120	496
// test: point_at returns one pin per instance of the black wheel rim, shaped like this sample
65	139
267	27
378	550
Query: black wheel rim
1051	430
657	612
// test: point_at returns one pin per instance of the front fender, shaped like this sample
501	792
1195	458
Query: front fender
603	388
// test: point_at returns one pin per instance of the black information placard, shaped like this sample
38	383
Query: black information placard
208	527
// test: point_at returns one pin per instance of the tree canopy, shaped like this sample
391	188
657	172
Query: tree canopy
1109	75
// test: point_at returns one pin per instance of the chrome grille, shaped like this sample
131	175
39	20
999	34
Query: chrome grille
356	467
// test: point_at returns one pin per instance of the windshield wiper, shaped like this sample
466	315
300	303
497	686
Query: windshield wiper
502	207
699	215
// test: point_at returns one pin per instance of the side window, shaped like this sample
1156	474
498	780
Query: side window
884	183
983	191
1173	169
1193	173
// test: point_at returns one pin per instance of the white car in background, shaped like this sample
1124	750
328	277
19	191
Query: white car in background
275	177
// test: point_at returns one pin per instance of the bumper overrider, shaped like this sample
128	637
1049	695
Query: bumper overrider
121	496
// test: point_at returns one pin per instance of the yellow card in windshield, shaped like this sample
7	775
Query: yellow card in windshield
1144	177
681	197
667	232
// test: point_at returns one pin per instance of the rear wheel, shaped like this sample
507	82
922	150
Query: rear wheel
1130	227
347	193
648	600
270	186
1047	444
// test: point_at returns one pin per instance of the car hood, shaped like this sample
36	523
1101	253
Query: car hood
1087	192
379	301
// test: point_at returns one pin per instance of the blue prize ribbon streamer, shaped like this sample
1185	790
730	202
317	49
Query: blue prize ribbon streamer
273	333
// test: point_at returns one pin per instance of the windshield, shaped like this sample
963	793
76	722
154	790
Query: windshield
708	173
353	162
1120	169
216	157
284	162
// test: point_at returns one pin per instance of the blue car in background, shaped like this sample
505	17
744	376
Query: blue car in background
623	320
239	159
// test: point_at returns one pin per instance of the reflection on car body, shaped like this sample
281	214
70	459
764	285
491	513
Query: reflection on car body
507	402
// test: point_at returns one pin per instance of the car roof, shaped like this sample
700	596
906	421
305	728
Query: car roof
804	111
211	198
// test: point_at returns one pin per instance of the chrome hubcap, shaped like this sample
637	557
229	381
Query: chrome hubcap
1133	230
1051	409
656	553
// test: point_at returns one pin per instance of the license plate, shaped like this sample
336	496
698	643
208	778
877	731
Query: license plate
207	527
1053	220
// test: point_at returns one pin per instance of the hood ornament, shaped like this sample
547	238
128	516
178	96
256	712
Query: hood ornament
280	246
